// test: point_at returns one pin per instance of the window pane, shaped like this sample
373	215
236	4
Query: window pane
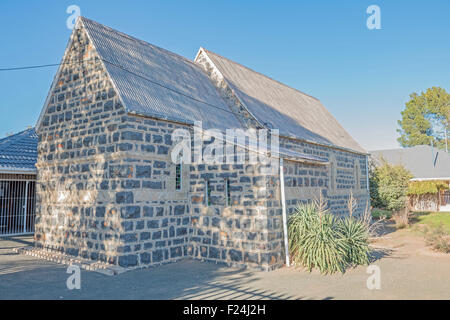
178	177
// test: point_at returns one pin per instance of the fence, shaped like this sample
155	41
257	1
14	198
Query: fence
445	198
17	204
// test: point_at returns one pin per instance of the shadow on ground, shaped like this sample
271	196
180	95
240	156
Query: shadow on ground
406	273
24	277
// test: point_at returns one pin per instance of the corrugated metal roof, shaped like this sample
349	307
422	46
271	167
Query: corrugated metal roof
19	151
278	106
423	161
154	82
158	83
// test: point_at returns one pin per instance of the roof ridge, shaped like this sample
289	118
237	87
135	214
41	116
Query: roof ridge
138	40
261	74
406	148
15	134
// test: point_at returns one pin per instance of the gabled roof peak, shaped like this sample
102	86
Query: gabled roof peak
131	38
256	72
154	82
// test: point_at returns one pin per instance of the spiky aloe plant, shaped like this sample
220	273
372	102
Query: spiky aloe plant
303	219
354	234
313	241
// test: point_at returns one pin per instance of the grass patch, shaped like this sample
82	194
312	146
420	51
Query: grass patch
435	228
432	219
378	214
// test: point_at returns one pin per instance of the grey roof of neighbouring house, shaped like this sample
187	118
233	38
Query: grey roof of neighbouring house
18	152
278	106
424	162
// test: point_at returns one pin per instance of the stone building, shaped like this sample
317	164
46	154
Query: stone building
108	189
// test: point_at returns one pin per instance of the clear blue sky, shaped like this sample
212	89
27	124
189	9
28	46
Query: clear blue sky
323	48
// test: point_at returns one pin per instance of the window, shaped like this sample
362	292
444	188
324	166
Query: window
208	193
228	192
178	177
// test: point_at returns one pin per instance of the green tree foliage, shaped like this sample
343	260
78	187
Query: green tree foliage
388	186
425	118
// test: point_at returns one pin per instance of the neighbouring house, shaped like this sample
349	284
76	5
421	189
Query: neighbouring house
18	155
108	189
425	164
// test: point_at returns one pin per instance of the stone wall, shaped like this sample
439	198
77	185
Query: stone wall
105	182
243	226
345	174
304	182
156	219
78	141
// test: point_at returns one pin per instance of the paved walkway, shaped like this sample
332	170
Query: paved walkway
407	272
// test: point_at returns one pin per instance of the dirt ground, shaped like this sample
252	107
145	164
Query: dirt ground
408	270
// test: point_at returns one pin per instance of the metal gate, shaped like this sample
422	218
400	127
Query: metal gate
445	198
17	204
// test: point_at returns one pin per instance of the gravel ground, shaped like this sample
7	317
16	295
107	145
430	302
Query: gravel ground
408	270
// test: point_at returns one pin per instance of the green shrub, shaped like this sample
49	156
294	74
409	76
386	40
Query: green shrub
388	186
318	240
380	214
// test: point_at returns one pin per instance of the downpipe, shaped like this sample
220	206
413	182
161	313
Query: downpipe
283	206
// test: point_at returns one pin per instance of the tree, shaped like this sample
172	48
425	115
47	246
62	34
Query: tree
426	119
388	186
